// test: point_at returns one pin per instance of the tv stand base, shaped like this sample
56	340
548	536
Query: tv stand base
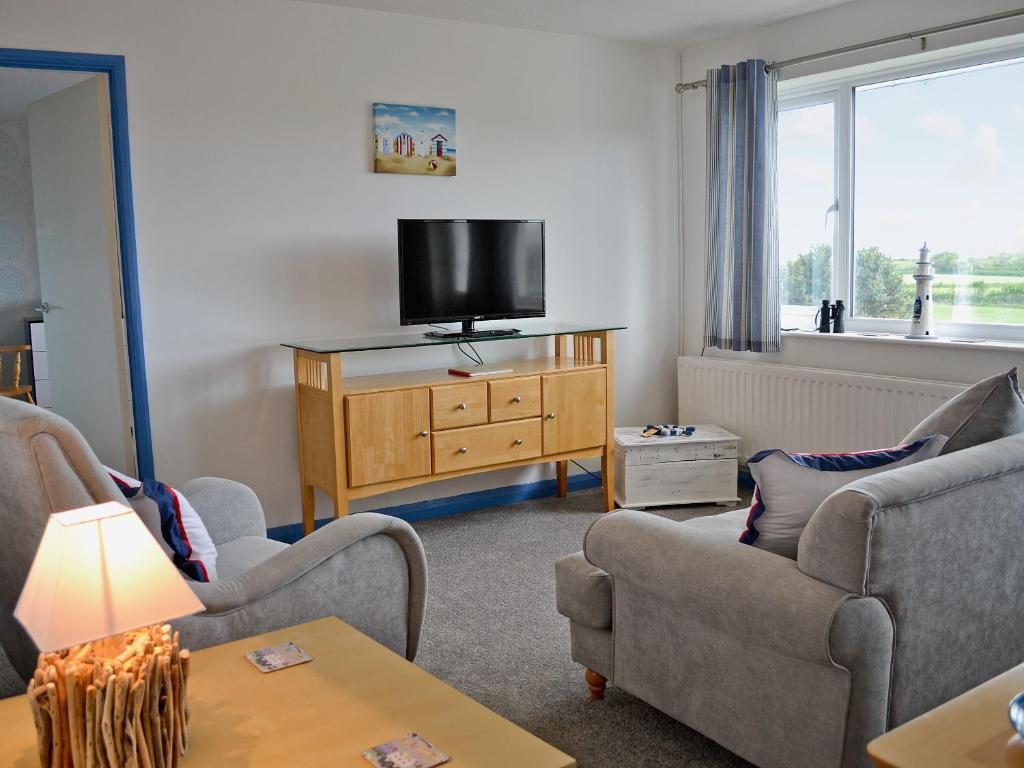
488	333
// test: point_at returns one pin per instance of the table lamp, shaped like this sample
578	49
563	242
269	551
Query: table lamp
110	686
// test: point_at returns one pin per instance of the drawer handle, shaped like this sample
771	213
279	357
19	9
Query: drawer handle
517	399
463	450
551	416
461	407
519	441
424	433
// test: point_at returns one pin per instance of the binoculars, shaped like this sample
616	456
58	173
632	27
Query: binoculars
831	319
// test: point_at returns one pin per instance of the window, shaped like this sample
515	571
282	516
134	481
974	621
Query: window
873	165
807	193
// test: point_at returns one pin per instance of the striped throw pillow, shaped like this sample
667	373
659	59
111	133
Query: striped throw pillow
174	523
791	486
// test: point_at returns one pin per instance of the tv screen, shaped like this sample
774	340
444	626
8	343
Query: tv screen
475	269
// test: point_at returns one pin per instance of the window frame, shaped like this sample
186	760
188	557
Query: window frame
796	313
840	88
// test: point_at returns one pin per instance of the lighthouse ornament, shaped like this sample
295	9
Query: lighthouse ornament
921	325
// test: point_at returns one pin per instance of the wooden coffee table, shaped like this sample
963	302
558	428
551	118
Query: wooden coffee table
969	731
353	695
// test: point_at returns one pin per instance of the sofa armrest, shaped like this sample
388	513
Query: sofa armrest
289	565
754	596
229	510
583	593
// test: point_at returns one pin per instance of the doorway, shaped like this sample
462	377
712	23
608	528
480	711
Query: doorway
68	277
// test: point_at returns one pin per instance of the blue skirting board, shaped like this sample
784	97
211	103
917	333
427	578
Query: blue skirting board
454	505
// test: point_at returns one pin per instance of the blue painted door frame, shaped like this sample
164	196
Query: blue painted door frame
113	68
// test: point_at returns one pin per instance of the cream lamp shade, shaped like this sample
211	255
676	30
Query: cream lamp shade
99	572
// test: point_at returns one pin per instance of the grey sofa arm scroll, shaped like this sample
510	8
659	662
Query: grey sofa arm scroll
347	568
770	602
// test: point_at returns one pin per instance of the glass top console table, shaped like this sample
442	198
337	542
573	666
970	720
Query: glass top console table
404	340
367	435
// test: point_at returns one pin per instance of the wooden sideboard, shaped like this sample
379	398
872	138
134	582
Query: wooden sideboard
367	435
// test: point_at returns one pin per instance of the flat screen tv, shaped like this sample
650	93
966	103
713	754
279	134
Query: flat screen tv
462	270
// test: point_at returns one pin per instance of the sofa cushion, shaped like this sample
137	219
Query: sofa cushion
791	486
583	592
236	557
987	411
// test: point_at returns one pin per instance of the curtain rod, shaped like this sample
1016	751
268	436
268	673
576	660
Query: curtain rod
918	35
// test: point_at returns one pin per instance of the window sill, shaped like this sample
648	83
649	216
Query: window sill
892	338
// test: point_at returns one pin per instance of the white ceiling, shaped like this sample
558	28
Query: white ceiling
645	21
20	87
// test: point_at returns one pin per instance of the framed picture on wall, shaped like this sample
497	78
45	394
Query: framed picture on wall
413	139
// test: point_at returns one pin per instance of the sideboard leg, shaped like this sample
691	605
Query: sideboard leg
608	457
308	508
562	478
608	479
340	500
339	472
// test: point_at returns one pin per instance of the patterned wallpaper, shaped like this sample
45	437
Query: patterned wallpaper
19	270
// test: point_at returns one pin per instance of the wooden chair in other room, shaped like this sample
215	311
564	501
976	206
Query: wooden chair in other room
16	389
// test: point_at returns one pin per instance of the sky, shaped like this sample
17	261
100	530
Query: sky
392	119
938	160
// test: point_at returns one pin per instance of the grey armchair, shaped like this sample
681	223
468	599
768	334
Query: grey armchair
908	590
367	569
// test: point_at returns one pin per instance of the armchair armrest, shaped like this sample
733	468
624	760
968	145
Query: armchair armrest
229	510
303	557
749	594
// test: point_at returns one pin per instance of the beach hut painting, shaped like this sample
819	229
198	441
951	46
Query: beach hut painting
413	139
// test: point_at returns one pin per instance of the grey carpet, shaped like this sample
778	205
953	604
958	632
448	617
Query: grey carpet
491	630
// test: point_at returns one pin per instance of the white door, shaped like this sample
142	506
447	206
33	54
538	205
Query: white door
79	267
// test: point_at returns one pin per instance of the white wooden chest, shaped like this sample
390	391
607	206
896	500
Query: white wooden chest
658	471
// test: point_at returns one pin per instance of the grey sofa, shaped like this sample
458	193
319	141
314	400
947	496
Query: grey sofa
908	589
367	569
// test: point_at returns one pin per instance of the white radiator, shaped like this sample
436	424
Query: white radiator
804	409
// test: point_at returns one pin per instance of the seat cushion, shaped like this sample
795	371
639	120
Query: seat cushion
987	411
727	524
236	557
583	592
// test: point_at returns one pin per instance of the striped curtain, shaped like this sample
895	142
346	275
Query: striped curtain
742	234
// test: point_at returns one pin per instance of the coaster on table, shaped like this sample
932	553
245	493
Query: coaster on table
412	751
278	657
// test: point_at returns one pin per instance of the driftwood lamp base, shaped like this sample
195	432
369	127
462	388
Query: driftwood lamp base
117	703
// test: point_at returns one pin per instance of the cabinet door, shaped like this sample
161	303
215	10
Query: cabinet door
388	435
574	410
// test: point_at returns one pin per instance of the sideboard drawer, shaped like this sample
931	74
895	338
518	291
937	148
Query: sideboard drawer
515	398
490	444
458	405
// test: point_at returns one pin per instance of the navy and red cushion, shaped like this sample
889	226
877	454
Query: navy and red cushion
174	523
791	486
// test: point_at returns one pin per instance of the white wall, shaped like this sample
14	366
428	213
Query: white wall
259	219
854	22
19	267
